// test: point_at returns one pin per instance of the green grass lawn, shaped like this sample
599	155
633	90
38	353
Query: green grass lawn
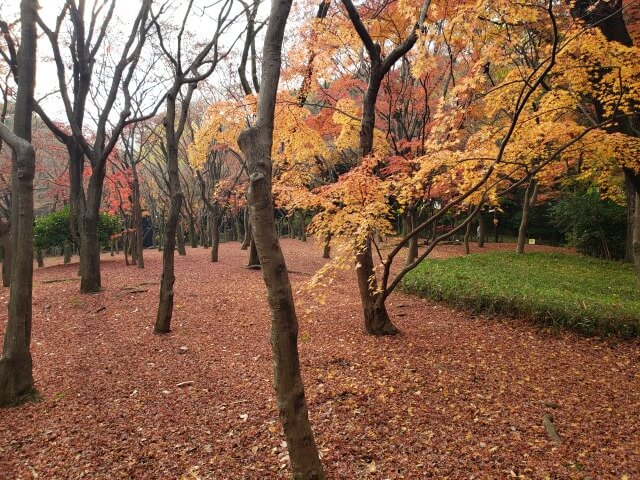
592	296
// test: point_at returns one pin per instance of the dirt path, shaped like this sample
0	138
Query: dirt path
454	396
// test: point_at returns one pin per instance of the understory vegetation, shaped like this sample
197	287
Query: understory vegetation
588	295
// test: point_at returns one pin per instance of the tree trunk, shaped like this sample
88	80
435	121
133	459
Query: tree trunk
376	318
254	259
482	230
6	258
467	234
528	202
302	232
215	235
247	230
16	377
165	306
290	223
631	210
90	280
636	240
125	247
39	258
326	252
238	229
182	251
256	143
412	222
137	216
192	233
67	254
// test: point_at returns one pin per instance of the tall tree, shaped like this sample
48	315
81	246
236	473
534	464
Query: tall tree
16	377
608	18
256	144
376	318
186	76
87	42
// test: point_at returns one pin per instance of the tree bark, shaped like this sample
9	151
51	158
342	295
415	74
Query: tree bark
631	210
137	215
482	230
254	258
16	377
165	305
215	234
636	240
67	254
182	251
376	318
256	143
6	258
247	230
412	222
467	235
528	202
326	252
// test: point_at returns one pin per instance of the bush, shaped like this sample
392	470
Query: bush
596	227
54	229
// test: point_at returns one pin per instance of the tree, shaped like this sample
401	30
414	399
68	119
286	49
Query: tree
489	135
256	145
174	122
16	377
115	93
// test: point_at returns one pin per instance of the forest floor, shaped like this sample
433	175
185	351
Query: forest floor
454	396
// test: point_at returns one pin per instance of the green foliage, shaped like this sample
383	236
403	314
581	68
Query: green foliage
108	225
54	229
595	226
591	296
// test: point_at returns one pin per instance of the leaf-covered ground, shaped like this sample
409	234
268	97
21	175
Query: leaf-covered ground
454	396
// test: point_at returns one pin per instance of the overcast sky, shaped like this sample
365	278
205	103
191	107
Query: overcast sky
199	26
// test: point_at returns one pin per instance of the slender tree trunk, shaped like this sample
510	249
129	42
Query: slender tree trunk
290	223
467	234
631	210
235	228
39	258
203	235
67	254
125	247
215	235
16	377
137	216
326	252
482	230
182	251
165	306
254	259
636	240
412	222
527	204
192	233
302	232
256	143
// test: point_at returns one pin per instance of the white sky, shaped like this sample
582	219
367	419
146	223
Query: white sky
200	27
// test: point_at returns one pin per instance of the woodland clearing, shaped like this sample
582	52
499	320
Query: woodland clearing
453	396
